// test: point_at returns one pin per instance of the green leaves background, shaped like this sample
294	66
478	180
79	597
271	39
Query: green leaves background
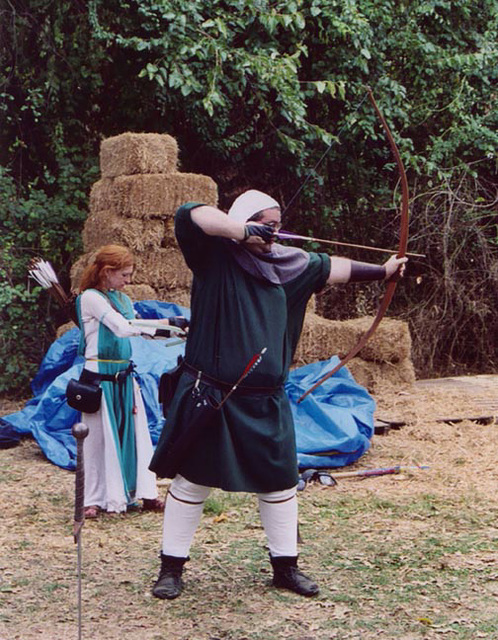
255	92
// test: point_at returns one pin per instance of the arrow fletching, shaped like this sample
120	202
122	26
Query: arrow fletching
43	273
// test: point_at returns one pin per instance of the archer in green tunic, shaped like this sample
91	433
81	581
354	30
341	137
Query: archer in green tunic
251	444
248	294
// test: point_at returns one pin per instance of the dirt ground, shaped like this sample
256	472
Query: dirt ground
407	555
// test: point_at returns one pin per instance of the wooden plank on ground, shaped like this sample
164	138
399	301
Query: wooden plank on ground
479	393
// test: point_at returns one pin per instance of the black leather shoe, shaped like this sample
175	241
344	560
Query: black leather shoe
169	584
286	575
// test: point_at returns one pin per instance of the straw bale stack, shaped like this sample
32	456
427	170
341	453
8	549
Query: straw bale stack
134	203
386	356
131	153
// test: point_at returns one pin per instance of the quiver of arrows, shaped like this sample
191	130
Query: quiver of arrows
44	274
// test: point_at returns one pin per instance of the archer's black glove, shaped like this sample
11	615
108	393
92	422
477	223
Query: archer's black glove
179	321
175	321
263	231
162	333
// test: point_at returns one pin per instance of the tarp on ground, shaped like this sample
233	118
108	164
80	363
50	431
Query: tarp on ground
334	425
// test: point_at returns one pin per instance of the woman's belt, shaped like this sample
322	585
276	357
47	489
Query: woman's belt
226	386
93	377
104	360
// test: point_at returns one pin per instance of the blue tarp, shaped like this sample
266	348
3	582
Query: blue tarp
334	425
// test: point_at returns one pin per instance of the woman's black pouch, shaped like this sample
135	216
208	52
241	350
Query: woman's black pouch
83	396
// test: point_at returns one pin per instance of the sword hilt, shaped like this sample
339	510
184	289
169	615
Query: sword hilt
80	432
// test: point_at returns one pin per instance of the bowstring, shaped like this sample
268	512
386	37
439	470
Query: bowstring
326	152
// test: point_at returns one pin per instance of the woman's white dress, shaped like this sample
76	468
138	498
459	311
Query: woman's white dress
104	486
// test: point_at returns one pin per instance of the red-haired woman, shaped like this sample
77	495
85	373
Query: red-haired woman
118	447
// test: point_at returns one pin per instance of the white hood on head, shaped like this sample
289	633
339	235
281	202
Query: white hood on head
249	203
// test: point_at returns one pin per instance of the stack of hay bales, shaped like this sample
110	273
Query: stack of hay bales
385	361
134	203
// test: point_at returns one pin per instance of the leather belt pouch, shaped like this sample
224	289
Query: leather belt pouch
83	396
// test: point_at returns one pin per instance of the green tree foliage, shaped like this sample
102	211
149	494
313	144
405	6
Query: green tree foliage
267	94
32	225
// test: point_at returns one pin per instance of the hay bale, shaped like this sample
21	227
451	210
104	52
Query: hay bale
179	296
163	269
103	227
101	196
322	338
377	377
151	196
140	292
134	203
98	230
131	153
385	360
139	235
391	341
194	187
169	238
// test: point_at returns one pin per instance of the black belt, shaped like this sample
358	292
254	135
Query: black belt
226	386
92	377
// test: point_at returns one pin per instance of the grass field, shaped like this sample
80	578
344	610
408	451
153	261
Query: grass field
407	556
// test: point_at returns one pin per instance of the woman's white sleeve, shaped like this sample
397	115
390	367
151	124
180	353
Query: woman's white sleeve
93	305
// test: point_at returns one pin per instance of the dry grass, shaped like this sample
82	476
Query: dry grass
410	556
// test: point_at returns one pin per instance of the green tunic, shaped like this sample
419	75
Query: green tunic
251	445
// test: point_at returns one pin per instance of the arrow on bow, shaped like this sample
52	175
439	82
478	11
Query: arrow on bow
403	241
287	235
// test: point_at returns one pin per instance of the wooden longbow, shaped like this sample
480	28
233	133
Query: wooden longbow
403	242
